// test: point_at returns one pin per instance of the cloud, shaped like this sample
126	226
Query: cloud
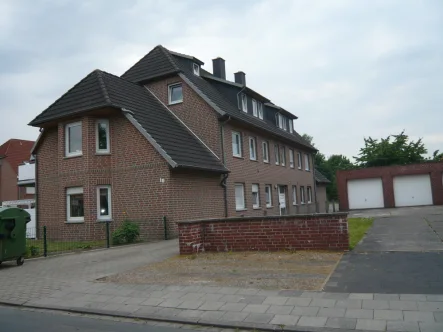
348	69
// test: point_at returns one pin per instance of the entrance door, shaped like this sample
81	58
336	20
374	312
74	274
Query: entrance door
282	200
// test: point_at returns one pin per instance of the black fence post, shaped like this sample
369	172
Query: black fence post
45	243
165	227
107	234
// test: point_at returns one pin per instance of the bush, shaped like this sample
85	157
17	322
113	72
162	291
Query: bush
32	251
128	232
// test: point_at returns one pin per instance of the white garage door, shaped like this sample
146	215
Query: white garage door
365	194
412	190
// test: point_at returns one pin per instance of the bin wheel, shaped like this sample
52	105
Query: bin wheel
20	261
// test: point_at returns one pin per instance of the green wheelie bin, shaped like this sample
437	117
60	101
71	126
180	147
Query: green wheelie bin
13	234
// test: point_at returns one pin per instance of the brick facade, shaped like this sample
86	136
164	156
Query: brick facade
8	182
300	232
387	174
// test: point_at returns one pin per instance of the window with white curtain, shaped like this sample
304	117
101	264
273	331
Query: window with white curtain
239	196
255	196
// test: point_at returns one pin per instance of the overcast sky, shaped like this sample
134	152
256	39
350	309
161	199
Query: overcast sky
347	69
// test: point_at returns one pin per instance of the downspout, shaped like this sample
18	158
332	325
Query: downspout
36	194
225	176
315	186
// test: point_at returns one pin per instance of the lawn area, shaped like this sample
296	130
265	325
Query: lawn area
357	228
35	247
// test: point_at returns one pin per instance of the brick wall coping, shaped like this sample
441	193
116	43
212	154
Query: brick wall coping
247	219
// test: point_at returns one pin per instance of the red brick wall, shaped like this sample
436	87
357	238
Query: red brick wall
434	169
302	232
8	182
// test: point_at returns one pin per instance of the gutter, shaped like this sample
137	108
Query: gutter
225	176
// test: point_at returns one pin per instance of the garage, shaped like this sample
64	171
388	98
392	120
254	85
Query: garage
365	193
412	190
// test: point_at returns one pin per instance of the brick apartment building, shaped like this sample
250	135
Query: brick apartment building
13	153
167	138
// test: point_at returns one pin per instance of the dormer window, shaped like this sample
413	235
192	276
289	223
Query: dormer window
244	103
196	69
291	126
282	122
260	110
254	108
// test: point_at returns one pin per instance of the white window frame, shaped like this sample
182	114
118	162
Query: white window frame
76	153
294	195
244	103
268	186
277	154
73	191
307	163
236	134
291	126
309	192
260	110
291	158
265	148
170	87
283	156
109	216
243	206
97	149
196	69
254	108
255	189
282	122
299	160
252	148
302	195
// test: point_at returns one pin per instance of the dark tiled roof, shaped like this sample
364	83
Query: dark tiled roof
319	177
221	101
101	89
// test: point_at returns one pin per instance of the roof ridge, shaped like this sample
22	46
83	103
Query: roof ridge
159	46
169	56
102	85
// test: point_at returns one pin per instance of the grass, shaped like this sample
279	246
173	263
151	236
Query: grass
35	247
357	228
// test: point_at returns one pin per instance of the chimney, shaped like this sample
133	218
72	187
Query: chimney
240	78
218	68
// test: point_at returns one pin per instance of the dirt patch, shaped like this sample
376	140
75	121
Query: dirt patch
305	270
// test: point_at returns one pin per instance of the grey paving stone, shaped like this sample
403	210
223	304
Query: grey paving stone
191	314
331	312
234	316
157	294
299	301
211	305
192	296
434	298
266	292
323	303
360	313
286	320
278	300
402	326
430	306
341	323
173	295
431	327
209	289
128	308
438	316
412	297
349	303
168	312
403	305
170	303
235	307
252	299
191	289
387	297
290	293
336	296
227	290
190	304
371	325
280	309
375	304
146	310
312	321
259	318
152	301
247	291
305	311
211	297
388	314
231	298
135	300
256	308
418	316
212	315
313	295
361	296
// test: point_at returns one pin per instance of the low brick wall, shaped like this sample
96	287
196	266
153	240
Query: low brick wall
272	233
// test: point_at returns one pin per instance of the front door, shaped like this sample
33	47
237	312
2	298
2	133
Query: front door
282	199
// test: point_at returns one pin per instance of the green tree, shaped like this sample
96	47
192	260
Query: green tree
392	150
436	156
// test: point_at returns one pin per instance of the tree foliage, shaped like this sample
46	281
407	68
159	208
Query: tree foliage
436	156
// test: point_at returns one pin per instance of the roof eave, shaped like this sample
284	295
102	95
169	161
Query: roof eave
200	168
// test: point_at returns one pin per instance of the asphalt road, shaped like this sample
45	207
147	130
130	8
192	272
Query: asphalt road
16	319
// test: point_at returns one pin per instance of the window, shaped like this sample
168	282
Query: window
74	204
302	195
175	93
260	110
252	149
291	126
236	144
282	122
102	136
283	156
309	189
254	108
277	154
104	203
73	139
196	69
30	190
265	152
299	160
255	196
307	163
291	158
239	196
244	103
294	195
268	194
